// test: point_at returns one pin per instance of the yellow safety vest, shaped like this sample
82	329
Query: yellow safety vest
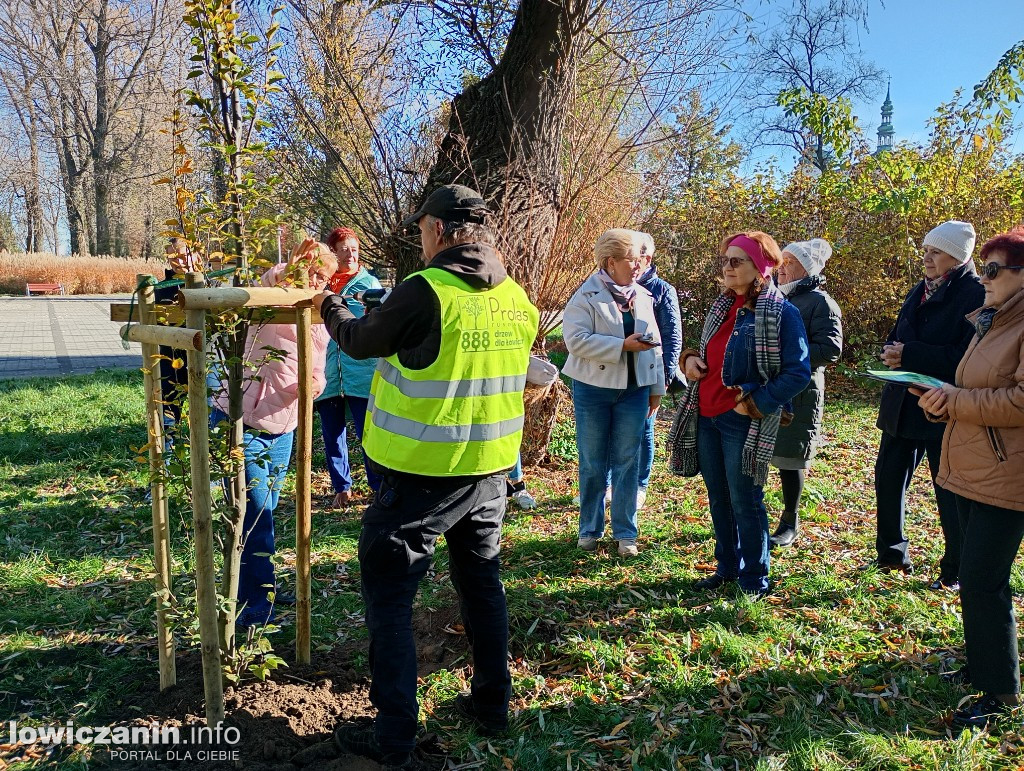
462	415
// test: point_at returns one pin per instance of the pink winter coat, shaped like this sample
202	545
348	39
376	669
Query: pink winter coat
271	403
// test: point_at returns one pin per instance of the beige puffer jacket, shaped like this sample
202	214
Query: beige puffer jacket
983	445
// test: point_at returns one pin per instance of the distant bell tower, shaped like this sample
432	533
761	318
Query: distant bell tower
886	131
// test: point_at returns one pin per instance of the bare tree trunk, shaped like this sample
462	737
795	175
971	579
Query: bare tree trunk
101	130
504	137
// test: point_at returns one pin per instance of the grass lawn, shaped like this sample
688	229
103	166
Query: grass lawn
617	663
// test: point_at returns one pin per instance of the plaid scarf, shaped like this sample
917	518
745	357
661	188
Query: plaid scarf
760	442
931	285
983	321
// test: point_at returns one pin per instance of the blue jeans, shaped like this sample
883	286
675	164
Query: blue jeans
737	504
333	428
609	425
516	474
396	548
647	451
267	457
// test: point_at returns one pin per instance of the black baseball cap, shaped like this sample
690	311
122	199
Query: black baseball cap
451	203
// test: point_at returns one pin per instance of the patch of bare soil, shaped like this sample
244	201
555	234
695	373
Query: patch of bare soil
292	713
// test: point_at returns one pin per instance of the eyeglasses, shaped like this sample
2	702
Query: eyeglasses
732	262
319	279
991	270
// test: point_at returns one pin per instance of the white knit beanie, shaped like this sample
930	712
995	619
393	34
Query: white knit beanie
955	238
811	254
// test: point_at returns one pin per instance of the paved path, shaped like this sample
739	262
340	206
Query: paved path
47	336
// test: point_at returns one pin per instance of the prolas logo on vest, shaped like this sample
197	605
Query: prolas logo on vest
490	322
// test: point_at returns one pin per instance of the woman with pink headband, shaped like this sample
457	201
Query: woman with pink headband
752	360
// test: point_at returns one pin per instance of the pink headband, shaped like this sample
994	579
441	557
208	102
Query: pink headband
755	253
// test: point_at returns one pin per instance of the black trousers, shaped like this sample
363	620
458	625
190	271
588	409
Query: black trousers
898	458
992	536
396	548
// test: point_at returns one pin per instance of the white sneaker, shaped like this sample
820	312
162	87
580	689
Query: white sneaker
607	498
587	544
641	498
523	499
627	548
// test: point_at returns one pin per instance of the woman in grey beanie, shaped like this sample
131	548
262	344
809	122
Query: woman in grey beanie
801	280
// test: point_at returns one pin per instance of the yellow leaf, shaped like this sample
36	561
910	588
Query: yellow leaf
620	726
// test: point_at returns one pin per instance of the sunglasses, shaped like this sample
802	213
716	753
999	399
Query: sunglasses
732	262
991	270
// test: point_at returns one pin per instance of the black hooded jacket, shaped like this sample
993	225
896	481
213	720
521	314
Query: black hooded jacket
408	323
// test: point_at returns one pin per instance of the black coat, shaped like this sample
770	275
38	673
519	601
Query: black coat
935	336
824	324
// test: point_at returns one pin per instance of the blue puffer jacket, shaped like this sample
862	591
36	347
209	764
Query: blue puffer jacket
346	375
740	365
666	313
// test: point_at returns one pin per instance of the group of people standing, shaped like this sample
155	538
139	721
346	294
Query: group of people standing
755	399
422	372
758	353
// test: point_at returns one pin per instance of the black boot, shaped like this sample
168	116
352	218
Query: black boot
787	531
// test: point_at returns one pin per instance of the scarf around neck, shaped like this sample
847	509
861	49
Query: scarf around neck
983	321
623	295
931	285
760	441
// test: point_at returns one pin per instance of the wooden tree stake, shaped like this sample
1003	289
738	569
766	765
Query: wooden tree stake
158	493
202	512
303	500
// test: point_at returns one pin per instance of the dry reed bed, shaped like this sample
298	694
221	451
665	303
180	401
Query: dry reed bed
79	274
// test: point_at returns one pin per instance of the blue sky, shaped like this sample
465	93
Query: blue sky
929	48
932	47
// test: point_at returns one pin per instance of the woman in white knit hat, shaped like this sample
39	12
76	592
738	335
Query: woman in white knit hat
801	280
930	337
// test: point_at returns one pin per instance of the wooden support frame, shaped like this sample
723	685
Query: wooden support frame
172	314
225	298
174	337
289	306
158	493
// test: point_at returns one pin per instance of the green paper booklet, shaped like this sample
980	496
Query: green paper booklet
904	378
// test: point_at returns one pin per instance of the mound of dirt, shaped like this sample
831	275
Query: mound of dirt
294	711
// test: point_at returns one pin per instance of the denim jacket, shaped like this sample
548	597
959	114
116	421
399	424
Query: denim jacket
740	365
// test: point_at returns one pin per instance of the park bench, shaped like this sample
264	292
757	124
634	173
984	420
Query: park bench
42	288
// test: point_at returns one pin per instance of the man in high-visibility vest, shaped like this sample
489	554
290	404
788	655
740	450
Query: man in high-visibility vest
443	426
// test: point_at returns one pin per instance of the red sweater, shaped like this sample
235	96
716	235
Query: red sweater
714	398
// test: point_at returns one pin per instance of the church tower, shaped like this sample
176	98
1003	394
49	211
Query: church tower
886	131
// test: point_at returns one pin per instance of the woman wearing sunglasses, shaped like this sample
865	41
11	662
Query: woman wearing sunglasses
930	337
752	360
982	461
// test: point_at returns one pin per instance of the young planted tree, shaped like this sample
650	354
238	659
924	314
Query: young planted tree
231	218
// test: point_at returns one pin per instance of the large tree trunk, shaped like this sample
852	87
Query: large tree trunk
505	135
505	140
